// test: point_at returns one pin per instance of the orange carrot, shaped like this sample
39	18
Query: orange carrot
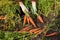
30	19
34	30
37	32
31	31
2	17
24	20
42	30
40	19
26	28
52	34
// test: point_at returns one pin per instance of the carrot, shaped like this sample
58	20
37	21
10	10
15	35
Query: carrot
52	34
30	19
37	32
2	17
25	29
34	7
42	30
31	31
24	20
40	18
34	30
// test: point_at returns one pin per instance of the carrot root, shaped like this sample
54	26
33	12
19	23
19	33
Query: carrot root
40	19
42	30
37	32
26	28
24	20
30	19
34	30
2	17
52	34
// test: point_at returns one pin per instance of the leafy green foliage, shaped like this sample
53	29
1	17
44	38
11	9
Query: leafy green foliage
11	10
15	36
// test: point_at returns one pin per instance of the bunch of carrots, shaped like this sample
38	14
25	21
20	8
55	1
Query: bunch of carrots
38	31
28	19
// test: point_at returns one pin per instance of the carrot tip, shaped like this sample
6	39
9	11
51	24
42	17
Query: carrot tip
31	20
52	34
40	19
